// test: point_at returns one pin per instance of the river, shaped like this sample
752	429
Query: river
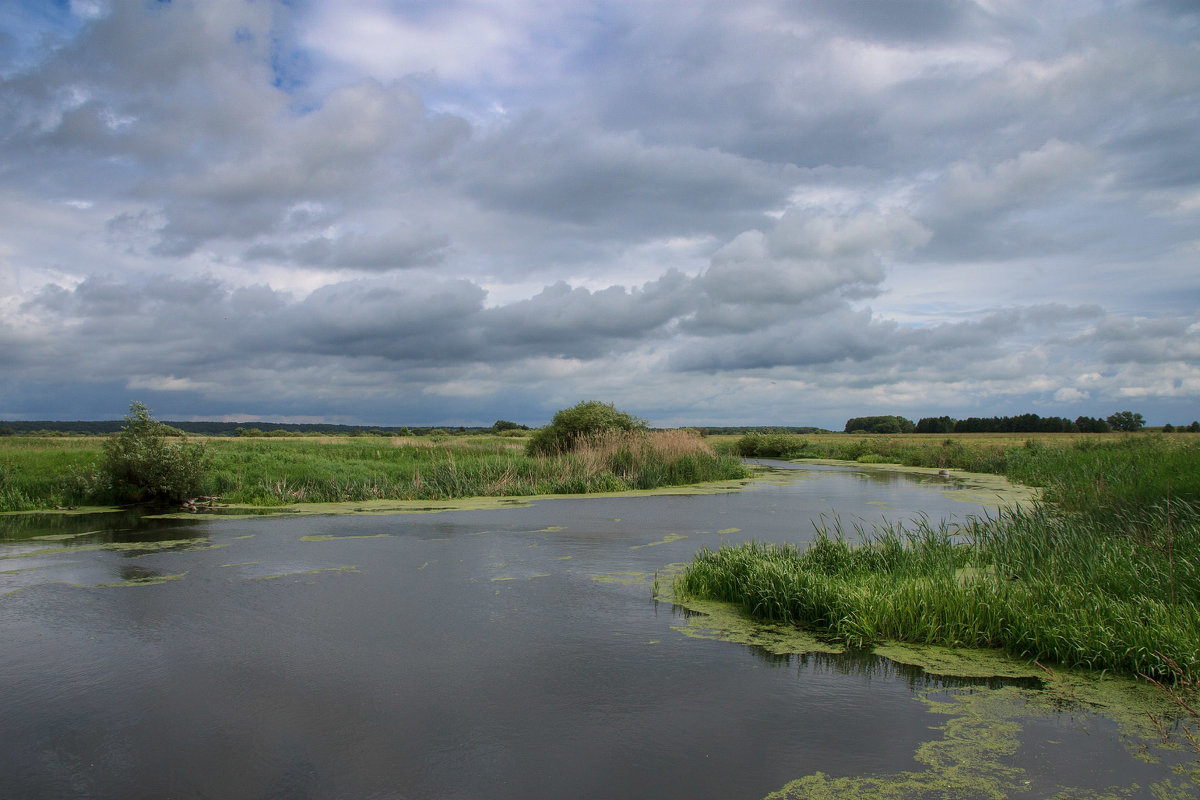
511	652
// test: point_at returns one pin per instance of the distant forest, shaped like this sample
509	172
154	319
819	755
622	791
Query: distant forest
1022	423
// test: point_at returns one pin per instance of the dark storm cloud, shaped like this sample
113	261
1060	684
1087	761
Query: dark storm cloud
895	21
562	321
840	335
1148	341
605	180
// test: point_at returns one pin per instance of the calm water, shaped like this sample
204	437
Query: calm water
511	653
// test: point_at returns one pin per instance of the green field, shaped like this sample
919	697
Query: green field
48	472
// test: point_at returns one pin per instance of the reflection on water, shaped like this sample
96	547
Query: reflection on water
866	665
513	653
110	526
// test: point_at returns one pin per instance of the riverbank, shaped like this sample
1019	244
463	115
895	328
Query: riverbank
39	473
1102	574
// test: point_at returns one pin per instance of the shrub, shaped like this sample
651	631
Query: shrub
769	445
572	425
146	462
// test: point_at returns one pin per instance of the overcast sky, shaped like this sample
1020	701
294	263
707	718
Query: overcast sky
455	211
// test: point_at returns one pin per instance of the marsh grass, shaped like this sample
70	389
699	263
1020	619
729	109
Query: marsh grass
43	473
1113	593
1104	573
1080	472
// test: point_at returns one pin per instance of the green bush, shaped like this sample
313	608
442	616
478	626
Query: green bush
147	461
570	426
769	445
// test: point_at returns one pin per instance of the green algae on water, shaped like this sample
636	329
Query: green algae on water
303	573
149	579
333	538
628	578
983	727
668	539
503	578
974	758
160	546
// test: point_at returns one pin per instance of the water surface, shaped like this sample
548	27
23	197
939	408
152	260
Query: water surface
510	653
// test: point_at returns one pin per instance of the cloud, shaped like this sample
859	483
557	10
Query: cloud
458	42
808	254
418	212
970	190
394	248
609	180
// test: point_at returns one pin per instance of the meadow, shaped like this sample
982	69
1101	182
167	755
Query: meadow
49	472
1103	573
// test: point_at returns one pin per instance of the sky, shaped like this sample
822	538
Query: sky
419	212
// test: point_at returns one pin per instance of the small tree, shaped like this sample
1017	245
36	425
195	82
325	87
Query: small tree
144	462
1126	421
1194	427
581	420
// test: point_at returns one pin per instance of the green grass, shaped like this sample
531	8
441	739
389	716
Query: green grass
44	473
1104	574
1080	472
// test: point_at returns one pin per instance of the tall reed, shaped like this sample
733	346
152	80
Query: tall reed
1079	590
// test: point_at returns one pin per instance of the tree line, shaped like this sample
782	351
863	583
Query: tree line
1021	423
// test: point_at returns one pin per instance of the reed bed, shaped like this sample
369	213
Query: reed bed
267	472
1118	593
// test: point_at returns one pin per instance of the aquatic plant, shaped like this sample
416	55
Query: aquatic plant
769	445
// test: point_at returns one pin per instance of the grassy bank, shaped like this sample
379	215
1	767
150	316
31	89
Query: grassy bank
1080	472
45	472
1106	575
